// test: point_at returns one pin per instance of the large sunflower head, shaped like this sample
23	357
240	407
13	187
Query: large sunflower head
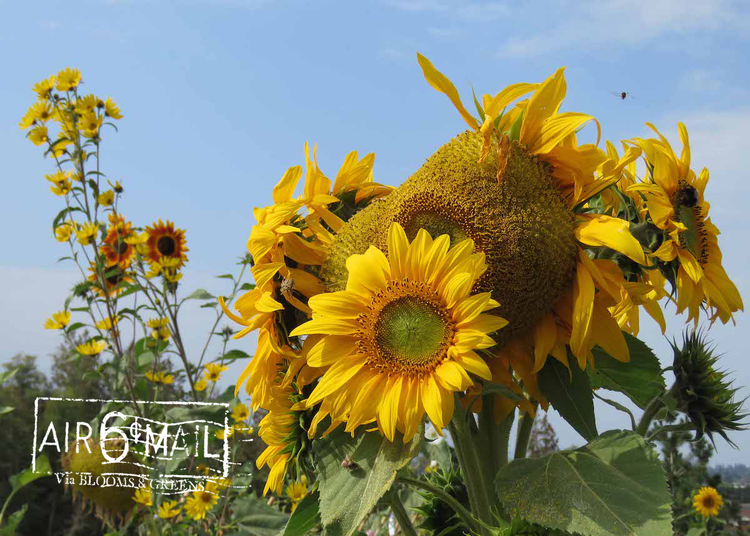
689	256
166	242
401	338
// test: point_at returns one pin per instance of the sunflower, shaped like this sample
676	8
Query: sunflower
516	186
44	88
38	135
690	254
240	412
86	233
401	339
169	509
164	241
200	385
202	501
143	495
114	277
64	231
111	109
68	79
707	502
162	334
108	323
91	348
157	323
59	320
106	199
296	492
214	370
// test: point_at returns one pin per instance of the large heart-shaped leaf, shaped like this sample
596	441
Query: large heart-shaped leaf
614	486
304	518
354	473
640	379
254	517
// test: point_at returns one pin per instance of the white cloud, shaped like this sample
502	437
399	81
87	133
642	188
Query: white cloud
596	22
702	81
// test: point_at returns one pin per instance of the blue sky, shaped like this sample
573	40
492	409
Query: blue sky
219	97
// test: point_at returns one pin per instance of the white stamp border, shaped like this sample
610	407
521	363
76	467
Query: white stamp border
225	461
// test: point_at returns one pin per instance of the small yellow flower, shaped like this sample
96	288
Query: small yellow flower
107	323
221	483
200	385
59	148
202	501
86	233
111	109
244	429
68	79
168	509
90	123
39	135
240	412
221	434
161	334
143	495
44	88
202	468
135	239
707	502
91	348
156	323
86	105
166	379
63	232
117	187
214	370
296	492
105	199
62	188
59	320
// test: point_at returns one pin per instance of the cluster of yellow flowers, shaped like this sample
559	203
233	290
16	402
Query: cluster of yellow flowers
196	505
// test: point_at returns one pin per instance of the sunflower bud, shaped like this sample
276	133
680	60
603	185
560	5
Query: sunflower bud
437	514
703	393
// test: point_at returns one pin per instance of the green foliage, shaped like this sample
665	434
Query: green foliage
348	491
612	486
569	392
253	517
305	517
640	379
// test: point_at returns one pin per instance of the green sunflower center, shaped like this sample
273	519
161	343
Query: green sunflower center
411	331
166	245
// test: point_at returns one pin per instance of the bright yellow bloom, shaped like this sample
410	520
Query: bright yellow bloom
90	123
296	492
63	232
107	324
200	502
401	339
86	233
68	79
59	148
86	105
243	429
40	112
111	109
221	483
106	199
61	188
39	135
169	509
91	348
162	334
200	385
214	370
143	495
240	412
675	203
202	468
707	502
157	323
221	434
59	320
160	377
44	88
166	242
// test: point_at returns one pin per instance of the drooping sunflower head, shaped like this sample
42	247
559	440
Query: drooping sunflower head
401	338
707	502
164	241
110	502
704	394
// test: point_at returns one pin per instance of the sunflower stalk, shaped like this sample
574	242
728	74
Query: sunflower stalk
397	507
478	479
525	424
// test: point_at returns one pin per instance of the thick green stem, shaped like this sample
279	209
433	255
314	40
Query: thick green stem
457	507
477	478
525	424
402	517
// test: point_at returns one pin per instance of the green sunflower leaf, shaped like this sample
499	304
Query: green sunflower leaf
640	379
304	518
252	516
569	392
614	486
348	494
201	294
